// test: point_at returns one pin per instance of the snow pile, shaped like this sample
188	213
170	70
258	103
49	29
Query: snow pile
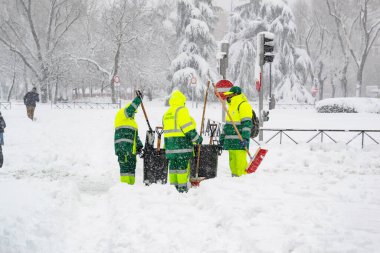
348	105
60	191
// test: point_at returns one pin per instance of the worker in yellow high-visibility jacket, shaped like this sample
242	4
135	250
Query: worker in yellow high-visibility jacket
180	137
241	113
127	141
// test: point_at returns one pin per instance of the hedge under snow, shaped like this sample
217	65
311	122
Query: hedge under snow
348	105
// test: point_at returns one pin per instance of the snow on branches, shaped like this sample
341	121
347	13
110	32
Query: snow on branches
276	17
196	45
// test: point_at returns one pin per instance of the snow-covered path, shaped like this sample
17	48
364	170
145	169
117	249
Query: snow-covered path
59	192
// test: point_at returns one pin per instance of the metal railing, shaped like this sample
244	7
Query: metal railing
322	133
294	106
5	105
85	105
214	128
286	106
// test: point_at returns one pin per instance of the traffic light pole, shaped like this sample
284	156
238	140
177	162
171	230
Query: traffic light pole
223	65
261	102
265	46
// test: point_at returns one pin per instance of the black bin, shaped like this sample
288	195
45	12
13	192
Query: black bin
155	167
208	163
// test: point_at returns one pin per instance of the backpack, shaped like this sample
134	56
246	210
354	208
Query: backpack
255	121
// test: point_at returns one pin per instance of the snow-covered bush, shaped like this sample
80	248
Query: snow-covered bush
348	105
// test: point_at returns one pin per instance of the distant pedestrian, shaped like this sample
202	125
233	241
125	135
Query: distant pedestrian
2	126
30	100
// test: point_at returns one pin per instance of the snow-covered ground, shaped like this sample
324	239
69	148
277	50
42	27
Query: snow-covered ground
60	191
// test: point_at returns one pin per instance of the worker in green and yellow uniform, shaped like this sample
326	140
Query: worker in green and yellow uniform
180	137
241	113
127	141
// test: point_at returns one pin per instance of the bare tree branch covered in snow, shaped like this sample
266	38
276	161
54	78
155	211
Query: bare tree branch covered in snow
361	26
80	45
34	33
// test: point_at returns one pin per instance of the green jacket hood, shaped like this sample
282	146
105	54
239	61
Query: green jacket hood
177	99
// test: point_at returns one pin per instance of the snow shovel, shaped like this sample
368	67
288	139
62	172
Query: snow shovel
259	155
195	181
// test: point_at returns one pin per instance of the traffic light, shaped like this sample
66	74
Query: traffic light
265	47
268	48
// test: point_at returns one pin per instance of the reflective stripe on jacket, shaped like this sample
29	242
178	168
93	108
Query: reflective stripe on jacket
243	121
179	128
126	130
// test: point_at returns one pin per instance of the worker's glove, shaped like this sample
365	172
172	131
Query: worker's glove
220	149
244	143
139	94
140	152
199	140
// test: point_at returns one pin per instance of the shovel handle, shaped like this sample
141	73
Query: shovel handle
146	116
202	125
159	131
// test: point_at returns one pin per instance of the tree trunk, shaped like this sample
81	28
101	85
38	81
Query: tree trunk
321	84
50	89
321	80
56	90
333	86
11	88
25	80
91	81
116	69
359	79
343	78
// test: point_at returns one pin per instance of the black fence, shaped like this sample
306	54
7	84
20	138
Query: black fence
286	106
214	129
5	105
323	134
85	105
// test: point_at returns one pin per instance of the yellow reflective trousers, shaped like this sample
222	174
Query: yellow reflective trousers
238	162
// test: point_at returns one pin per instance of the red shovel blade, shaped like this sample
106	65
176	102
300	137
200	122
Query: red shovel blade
254	164
196	181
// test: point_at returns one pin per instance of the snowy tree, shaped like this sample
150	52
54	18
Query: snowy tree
134	43
155	51
196	45
277	18
36	32
244	26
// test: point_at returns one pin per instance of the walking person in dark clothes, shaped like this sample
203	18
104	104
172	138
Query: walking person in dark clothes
2	126
30	100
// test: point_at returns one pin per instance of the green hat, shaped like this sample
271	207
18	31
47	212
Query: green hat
234	90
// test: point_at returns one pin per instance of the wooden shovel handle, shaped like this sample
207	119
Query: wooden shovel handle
159	131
